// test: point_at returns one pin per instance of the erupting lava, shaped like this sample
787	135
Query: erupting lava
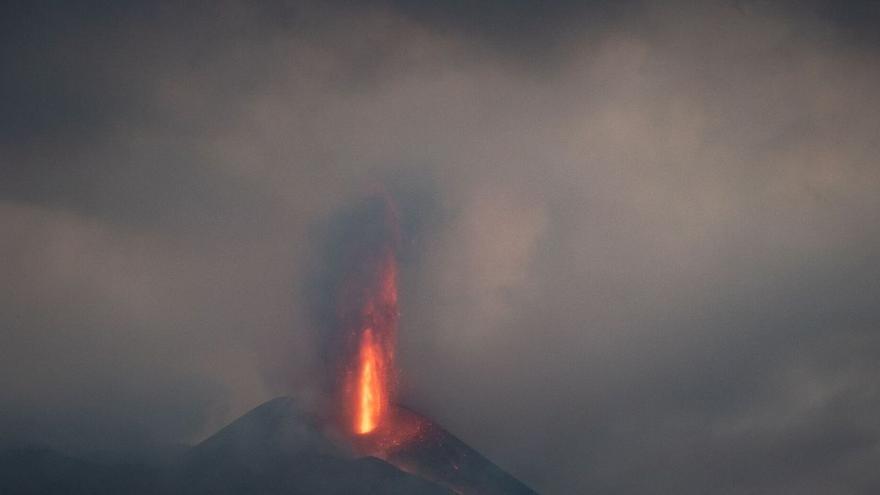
364	380
370	304
372	392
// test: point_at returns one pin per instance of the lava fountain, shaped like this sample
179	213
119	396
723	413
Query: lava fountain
371	390
361	344
369	312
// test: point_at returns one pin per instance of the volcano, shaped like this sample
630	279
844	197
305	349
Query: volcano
360	440
279	444
361	332
277	448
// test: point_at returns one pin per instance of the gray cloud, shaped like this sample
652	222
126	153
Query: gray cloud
641	251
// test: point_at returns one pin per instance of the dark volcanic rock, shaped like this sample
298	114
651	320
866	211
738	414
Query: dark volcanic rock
277	448
437	455
274	449
279	427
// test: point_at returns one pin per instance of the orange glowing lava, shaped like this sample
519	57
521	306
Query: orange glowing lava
372	394
371	372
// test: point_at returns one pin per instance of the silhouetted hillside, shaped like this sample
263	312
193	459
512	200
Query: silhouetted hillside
276	448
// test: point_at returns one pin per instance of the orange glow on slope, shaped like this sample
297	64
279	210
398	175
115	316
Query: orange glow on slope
372	394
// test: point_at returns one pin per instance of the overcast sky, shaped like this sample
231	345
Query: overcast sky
641	239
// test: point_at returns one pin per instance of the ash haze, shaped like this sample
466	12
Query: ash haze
641	239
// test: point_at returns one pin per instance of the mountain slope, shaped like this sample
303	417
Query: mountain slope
277	448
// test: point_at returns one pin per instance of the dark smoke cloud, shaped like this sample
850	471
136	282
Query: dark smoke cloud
640	238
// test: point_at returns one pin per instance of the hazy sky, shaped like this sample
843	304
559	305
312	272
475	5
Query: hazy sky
641	239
